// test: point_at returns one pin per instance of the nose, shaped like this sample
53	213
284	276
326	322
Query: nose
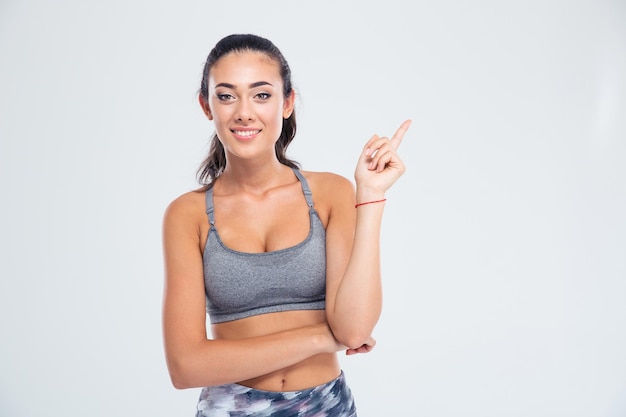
244	111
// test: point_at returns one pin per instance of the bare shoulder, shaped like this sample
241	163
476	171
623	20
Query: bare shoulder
330	192
329	182
186	205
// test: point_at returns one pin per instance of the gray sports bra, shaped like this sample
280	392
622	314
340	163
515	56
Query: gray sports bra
240	284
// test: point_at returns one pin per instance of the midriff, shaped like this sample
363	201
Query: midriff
313	371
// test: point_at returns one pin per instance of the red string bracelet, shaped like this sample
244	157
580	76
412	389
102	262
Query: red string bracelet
369	202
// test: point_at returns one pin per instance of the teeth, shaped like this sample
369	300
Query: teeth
245	132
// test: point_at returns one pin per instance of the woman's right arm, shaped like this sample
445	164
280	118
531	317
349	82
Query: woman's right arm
193	360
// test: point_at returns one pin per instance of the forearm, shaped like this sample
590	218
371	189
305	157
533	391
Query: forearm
215	362
358	302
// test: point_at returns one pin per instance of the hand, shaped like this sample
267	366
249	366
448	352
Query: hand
379	165
364	348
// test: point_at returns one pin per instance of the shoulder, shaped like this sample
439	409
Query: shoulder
328	182
332	193
186	205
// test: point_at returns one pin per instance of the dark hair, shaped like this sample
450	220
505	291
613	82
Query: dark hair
213	166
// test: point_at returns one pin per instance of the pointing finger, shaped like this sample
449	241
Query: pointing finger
397	137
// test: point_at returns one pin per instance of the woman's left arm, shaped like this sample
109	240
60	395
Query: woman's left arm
354	287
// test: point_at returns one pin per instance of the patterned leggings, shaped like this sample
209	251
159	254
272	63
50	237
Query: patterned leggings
332	399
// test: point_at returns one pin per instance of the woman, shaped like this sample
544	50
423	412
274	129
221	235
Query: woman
285	262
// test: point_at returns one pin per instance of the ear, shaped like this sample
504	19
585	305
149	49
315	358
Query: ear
289	104
205	107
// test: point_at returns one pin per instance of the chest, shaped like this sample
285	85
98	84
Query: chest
240	284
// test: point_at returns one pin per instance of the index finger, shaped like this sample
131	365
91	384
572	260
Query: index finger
397	137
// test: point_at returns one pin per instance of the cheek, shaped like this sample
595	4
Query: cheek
221	115
273	113
217	122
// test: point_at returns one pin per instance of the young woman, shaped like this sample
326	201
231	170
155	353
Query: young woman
285	262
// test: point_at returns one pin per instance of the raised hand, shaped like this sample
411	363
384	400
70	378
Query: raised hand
379	165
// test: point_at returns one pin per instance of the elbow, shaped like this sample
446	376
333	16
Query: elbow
179	381
353	333
355	340
180	378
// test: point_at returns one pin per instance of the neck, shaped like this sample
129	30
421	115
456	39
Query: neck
254	177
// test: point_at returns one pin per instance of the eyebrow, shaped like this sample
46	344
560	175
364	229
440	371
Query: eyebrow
253	85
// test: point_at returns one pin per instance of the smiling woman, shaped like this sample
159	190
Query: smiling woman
243	98
285	262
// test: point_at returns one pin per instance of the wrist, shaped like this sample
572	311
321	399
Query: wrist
368	194
363	203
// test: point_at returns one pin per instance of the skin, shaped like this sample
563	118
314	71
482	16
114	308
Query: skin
259	207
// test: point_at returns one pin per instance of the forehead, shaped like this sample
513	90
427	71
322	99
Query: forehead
243	68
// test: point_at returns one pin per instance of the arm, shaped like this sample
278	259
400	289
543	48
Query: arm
192	359
354	288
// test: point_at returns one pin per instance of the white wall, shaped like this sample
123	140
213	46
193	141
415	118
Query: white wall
504	243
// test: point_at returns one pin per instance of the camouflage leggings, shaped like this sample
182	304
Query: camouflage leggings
333	398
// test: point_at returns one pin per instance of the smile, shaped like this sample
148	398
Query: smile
245	133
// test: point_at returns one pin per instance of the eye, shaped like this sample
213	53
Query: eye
224	97
263	96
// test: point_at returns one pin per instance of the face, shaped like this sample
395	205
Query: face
246	104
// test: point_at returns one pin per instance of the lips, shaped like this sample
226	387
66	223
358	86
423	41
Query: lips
245	134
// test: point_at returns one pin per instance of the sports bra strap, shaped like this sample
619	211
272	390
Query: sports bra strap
209	206
305	187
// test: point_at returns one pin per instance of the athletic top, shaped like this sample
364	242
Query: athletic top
240	284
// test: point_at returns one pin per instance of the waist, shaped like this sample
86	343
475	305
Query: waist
312	372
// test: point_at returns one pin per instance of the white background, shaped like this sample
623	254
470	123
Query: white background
504	245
